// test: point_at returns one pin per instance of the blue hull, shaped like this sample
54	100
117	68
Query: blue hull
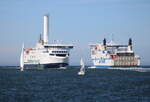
49	65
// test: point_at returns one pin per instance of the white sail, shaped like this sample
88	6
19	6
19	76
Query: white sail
82	64
82	69
22	59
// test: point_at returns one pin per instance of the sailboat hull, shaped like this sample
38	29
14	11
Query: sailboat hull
81	73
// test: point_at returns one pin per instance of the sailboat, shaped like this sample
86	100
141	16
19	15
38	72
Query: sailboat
82	69
22	59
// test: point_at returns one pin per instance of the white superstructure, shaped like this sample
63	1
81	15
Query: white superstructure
113	55
45	55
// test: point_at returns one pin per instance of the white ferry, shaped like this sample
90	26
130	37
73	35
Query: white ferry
107	55
44	55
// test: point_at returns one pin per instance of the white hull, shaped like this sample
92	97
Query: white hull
46	60
81	73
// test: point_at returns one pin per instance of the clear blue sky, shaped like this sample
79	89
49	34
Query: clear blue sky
74	21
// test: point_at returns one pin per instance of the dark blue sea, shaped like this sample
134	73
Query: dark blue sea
64	85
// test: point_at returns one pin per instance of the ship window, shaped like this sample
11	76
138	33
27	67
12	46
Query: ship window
45	51
125	54
51	54
70	46
59	52
61	55
46	46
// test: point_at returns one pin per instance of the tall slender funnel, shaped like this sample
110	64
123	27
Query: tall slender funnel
46	29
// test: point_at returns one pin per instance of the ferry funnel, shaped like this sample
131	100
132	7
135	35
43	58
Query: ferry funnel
46	29
104	42
130	42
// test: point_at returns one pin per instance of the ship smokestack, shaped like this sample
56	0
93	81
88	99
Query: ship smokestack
46	29
104	42
130	42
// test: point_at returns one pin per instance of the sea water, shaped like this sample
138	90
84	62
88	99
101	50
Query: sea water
65	85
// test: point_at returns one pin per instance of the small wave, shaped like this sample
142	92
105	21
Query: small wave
133	69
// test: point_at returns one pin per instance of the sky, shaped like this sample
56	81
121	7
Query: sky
80	22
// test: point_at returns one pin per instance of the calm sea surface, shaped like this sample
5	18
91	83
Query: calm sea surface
64	85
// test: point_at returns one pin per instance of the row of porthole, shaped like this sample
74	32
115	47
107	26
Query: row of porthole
61	55
59	52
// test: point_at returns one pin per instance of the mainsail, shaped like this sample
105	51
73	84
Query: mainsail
22	58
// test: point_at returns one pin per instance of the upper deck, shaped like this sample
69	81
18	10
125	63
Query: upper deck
113	48
67	46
